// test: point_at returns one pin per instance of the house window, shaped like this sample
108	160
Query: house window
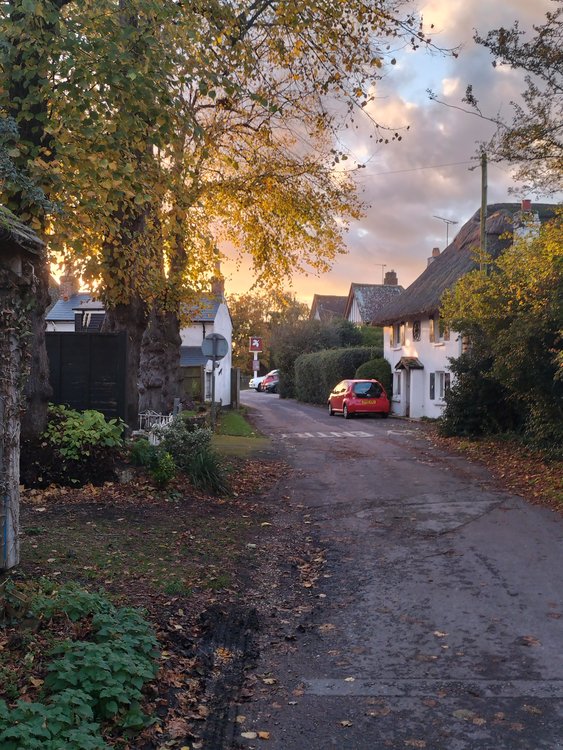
396	383
396	336
416	330
439	331
402	332
432	331
442	383
432	385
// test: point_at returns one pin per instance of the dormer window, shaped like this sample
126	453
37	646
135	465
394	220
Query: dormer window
416	330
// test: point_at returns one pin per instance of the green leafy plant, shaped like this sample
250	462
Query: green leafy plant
66	721
70	600
163	470
74	433
206	472
142	453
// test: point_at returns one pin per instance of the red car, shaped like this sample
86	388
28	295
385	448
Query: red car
270	383
351	397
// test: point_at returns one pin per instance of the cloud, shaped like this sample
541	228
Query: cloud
431	171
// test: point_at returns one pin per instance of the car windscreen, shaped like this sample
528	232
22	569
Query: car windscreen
367	390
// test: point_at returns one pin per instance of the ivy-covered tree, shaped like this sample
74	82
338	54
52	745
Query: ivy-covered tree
513	318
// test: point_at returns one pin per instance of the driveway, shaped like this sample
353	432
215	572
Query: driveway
437	618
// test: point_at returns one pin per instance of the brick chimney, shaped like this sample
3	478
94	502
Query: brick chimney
435	254
526	205
390	278
68	285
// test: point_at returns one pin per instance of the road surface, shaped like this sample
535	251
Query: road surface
438	618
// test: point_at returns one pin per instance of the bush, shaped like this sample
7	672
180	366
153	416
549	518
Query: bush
76	448
142	453
190	448
94	681
377	369
163	470
316	374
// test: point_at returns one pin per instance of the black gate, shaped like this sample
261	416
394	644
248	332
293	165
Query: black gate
87	371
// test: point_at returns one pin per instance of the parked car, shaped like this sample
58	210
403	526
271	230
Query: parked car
352	397
255	382
270	382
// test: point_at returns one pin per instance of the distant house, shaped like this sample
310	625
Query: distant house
78	312
416	344
365	301
327	307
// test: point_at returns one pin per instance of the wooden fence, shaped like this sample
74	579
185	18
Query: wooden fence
87	371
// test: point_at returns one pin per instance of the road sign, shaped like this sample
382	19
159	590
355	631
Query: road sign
214	345
255	344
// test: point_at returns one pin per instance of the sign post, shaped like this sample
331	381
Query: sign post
215	346
255	346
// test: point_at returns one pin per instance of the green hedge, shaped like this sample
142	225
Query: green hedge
377	369
316	374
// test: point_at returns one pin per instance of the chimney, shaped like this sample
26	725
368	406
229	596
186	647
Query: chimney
526	205
218	287
435	254
68	285
390	278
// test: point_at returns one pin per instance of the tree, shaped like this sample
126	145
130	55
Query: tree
514	319
290	341
533	139
257	314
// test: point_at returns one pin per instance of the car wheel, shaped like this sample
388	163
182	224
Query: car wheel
345	412
330	410
384	414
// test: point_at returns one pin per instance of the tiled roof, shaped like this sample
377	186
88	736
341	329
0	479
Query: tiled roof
63	309
192	356
203	311
423	296
371	298
328	306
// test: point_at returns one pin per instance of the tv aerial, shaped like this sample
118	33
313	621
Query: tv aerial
448	223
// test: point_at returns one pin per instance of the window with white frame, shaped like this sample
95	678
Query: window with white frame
397	383
397	335
440	383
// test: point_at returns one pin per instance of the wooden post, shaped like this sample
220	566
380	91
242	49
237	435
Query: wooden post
483	244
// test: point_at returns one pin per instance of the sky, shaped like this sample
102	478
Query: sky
404	183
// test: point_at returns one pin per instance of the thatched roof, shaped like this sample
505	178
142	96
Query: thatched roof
14	234
423	296
371	298
328	307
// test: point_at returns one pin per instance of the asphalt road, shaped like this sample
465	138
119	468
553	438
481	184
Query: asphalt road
439	614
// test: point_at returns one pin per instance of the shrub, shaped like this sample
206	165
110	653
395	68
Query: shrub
377	369
91	681
142	453
76	448
190	447
316	374
163	469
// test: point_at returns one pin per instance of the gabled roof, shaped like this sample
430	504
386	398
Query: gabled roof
15	234
423	296
203	311
371	298
192	356
328	307
64	309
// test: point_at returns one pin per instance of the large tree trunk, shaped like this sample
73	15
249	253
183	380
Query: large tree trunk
159	375
38	389
131	318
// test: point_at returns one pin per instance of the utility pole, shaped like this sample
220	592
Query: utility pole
483	243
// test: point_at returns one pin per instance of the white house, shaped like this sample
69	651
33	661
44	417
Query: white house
209	315
365	301
416	345
77	312
327	307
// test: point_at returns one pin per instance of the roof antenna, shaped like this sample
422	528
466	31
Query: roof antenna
447	223
383	267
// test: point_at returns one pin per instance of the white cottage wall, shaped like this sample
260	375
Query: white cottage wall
416	384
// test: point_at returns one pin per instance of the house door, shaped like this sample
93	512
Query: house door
407	392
